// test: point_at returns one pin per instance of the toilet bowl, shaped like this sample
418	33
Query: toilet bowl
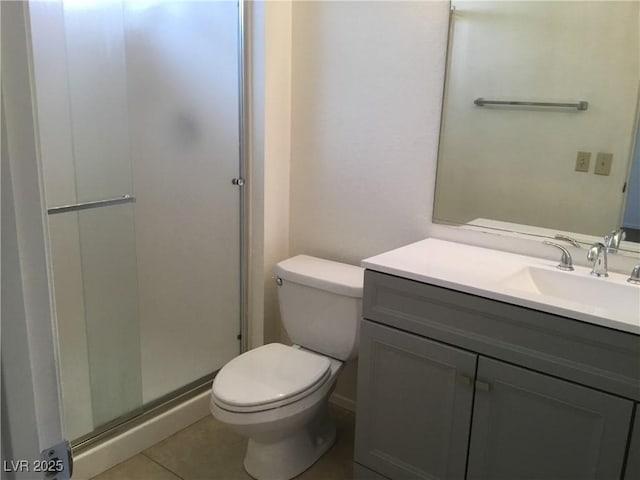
277	395
289	430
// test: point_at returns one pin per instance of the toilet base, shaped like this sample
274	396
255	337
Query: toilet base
290	456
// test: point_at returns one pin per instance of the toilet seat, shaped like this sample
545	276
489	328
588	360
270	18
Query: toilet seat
269	377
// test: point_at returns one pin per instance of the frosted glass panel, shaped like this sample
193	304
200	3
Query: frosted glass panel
64	237
96	65
107	246
95	280
182	66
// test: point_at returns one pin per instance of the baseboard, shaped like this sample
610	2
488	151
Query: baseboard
344	402
116	450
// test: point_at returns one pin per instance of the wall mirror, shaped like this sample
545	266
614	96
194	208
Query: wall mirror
540	119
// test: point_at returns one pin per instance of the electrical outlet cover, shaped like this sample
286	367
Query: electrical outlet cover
603	163
582	161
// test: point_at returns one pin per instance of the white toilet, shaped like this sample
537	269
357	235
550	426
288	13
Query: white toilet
276	395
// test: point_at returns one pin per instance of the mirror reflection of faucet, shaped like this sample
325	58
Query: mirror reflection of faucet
597	254
612	240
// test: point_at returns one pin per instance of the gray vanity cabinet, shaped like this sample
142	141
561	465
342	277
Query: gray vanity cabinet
417	396
529	425
632	472
453	386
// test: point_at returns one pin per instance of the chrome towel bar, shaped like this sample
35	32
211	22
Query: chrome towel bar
94	204
581	105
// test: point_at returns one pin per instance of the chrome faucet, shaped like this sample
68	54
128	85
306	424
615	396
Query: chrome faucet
612	240
566	262
597	254
635	275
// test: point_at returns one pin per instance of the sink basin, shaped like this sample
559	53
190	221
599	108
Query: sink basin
612	294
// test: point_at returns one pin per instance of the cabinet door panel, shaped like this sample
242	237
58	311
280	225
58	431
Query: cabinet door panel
532	426
414	405
633	457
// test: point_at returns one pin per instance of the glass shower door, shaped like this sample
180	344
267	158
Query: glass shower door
80	73
138	111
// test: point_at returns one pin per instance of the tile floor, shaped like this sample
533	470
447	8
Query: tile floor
208	450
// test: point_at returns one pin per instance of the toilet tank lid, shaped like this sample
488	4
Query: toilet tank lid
323	274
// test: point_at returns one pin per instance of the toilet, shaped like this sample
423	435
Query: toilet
277	395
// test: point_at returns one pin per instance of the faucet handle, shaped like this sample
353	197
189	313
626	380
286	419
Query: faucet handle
635	275
566	262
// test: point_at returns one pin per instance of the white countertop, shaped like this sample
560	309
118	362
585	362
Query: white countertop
491	273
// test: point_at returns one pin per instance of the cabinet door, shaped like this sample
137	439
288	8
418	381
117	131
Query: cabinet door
632	471
531	426
414	405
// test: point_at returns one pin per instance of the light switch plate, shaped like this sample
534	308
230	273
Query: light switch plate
603	163
582	161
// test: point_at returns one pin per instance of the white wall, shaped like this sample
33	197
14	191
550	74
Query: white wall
367	81
519	165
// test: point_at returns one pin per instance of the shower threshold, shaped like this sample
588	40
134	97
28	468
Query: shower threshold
144	414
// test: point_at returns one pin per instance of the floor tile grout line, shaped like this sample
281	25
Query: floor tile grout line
161	465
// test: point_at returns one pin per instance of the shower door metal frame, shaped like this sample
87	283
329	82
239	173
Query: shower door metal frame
243	150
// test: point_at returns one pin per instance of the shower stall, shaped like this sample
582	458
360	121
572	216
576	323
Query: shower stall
139	112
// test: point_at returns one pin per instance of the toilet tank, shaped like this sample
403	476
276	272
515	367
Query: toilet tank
321	304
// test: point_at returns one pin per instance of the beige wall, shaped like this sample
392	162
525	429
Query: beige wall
269	97
278	78
367	81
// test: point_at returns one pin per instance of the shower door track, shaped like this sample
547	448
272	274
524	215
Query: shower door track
149	411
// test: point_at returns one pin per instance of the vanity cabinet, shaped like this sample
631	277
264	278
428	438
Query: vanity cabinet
454	386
